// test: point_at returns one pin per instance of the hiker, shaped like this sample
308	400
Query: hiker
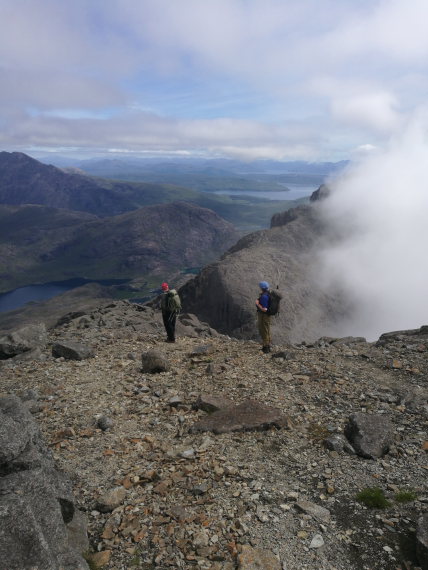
263	316
170	305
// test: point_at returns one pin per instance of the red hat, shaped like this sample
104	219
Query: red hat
165	286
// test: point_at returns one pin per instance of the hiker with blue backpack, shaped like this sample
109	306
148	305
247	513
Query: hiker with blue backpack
267	305
263	317
170	305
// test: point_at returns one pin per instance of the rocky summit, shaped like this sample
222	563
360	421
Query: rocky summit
216	456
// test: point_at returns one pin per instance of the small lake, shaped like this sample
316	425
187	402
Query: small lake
19	297
296	191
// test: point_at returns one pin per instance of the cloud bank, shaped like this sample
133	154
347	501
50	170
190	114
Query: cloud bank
377	213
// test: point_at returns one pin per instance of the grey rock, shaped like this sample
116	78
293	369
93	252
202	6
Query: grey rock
154	362
317	541
77	532
36	502
202	350
338	443
23	340
334	443
316	511
210	404
71	351
247	416
111	499
17	430
175	401
256	559
199	489
29	395
105	423
370	435
211	369
422	541
414	398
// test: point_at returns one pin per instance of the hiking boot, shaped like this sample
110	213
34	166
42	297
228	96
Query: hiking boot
266	349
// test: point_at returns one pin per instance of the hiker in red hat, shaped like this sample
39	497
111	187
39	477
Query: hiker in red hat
170	305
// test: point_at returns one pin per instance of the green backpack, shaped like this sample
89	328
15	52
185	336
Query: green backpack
173	302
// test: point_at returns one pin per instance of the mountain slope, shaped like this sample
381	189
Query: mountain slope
224	293
24	180
157	240
175	490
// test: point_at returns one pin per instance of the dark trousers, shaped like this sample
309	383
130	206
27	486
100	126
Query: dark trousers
169	323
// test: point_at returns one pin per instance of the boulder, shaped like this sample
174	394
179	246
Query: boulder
257	559
111	499
317	512
247	416
17	430
23	340
71	350
202	350
154	362
40	526
369	435
210	404
338	443
422	541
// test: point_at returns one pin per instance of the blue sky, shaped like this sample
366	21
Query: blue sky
282	79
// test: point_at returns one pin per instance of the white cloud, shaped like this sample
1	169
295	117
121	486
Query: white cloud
378	213
350	68
376	111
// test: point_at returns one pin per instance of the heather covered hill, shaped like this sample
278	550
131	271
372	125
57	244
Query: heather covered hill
145	243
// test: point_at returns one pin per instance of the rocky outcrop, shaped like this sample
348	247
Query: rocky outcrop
25	339
71	350
422	542
370	435
224	293
40	527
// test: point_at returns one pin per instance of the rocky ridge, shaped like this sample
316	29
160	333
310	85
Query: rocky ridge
224	293
161	493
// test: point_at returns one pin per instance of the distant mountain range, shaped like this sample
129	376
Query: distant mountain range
209	175
213	166
24	180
